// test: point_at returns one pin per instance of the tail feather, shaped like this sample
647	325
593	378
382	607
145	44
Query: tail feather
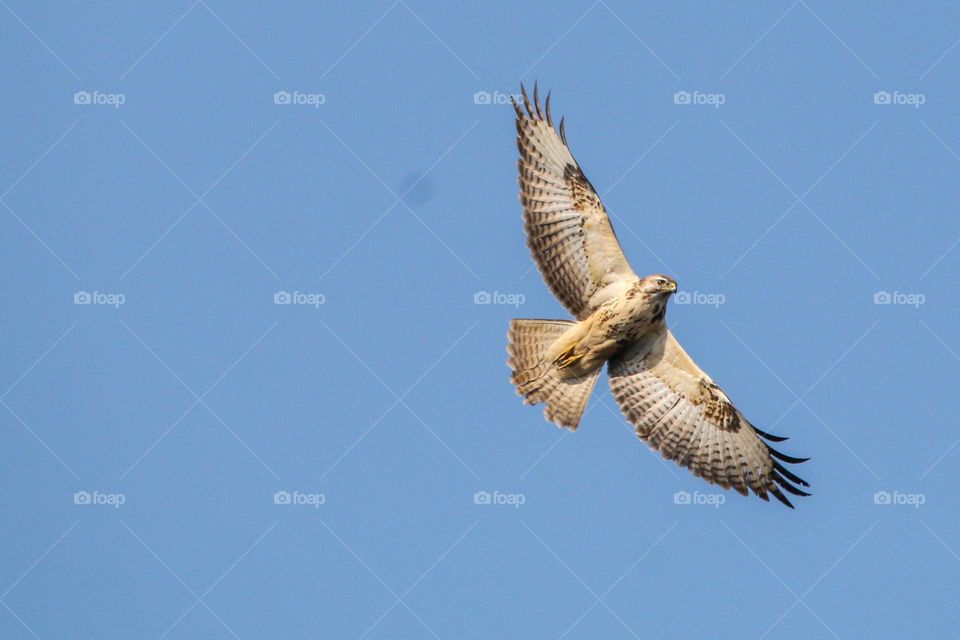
538	380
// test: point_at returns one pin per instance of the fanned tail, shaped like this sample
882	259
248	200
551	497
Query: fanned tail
539	380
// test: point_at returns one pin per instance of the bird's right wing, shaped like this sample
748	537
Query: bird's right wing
568	230
678	410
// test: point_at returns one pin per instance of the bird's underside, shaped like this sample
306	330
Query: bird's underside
675	407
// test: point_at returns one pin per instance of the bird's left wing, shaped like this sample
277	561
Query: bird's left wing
568	230
679	411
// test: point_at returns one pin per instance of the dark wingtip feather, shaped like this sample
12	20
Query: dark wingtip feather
782	498
789	487
536	99
770	436
563	132
789	474
547	108
782	456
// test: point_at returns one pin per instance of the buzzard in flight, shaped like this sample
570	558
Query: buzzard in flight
675	407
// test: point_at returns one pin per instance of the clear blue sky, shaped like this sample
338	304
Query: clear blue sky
148	169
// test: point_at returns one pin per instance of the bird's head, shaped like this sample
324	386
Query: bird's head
659	285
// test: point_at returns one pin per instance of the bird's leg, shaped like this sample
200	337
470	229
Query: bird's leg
567	357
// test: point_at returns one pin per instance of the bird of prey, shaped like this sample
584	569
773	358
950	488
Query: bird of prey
674	406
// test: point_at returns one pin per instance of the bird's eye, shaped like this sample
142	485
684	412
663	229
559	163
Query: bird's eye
661	282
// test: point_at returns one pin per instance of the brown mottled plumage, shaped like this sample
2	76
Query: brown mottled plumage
675	407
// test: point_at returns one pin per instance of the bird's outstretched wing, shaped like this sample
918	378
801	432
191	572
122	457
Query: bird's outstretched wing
568	230
678	410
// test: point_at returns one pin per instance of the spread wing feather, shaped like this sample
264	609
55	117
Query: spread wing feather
678	410
568	230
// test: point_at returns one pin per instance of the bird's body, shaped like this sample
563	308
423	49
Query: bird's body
620	321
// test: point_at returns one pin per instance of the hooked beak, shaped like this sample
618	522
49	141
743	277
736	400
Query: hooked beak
673	287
